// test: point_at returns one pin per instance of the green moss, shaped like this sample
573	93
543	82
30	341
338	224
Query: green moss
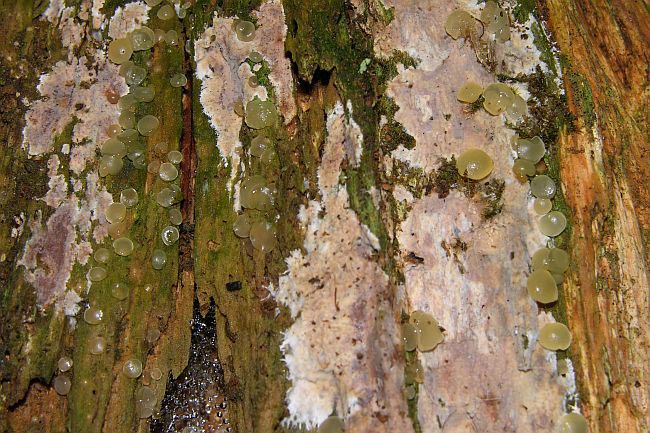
392	133
544	46
523	9
584	98
492	197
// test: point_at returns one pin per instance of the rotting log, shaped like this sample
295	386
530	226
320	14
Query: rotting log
362	170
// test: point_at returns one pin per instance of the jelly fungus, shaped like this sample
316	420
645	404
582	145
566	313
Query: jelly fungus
238	108
115	212
148	124
496	21
120	51
142	39
258	145
132	368
145	402
267	156
260	114
96	274
112	98
410	392
474	164
97	345
470	92
332	424
171	37
126	102
144	94
102	255
573	423
156	373
129	197
119	291
253	81
542	186
113	130
459	24
242	225
542	286
124	66
531	149
255	193
175	216
118	230
255	57
409	337
552	224
542	206
65	363
496	98
262	236
175	157
555	336
523	168
554	260
126	119
129	136
113	146
428	331
152	3
135	75
165	197
158	259
166	12
178	80
62	384
93	315
245	30
110	164
123	246
169	235
154	166
168	171
159	35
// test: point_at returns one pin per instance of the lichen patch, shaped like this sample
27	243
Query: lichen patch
128	18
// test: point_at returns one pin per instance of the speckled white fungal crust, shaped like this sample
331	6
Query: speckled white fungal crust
341	350
72	25
219	57
128	18
96	13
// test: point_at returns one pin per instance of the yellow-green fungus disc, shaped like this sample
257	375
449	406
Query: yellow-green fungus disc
148	124
135	75
260	114
171	37
258	145
124	67
542	206
118	230
169	235
427	330
145	402
459	24
250	191
238	108
175	216
65	363
262	236
156	373
62	384
552	224
154	166
144	94
182	13
267	157
152	3
542	186
333	424
123	246
474	164
132	368
165	197
554	260
470	92
175	157
245	30
159	35
410	392
166	12
255	57
129	136
489	12
102	255
119	291
168	171
573	423
97	345
96	273
113	130
129	197
517	108
110	164
115	212
555	336
409	337
158	259
126	102
558	278
126	119
178	80
242	225
113	146
497	97
142	39
523	168
542	286
120	50
93	315
531	149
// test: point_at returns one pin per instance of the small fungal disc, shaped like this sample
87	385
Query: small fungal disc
489	12
144	94
245	30
156	373
178	80
542	206
459	24
552	224
124	66
123	246
175	157
152	3
169	235
517	108
260	114
542	186
115	212
145	402
262	236
333	424
531	149
126	119
65	363
148	124
470	92
267	156
523	168
102	255
165	197
428	331
497	97
119	291
126	102
242	226
118	230
97	345
159	35
110	164
253	193
62	384
474	164
555	336
541	286
258	145
93	315
96	274
409	337
168	171
238	108
135	75
175	216
113	130
113	146
573	423
132	368
158	259
255	57
120	51
171	37
154	166
142	39
166	12
129	136
129	197
554	260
